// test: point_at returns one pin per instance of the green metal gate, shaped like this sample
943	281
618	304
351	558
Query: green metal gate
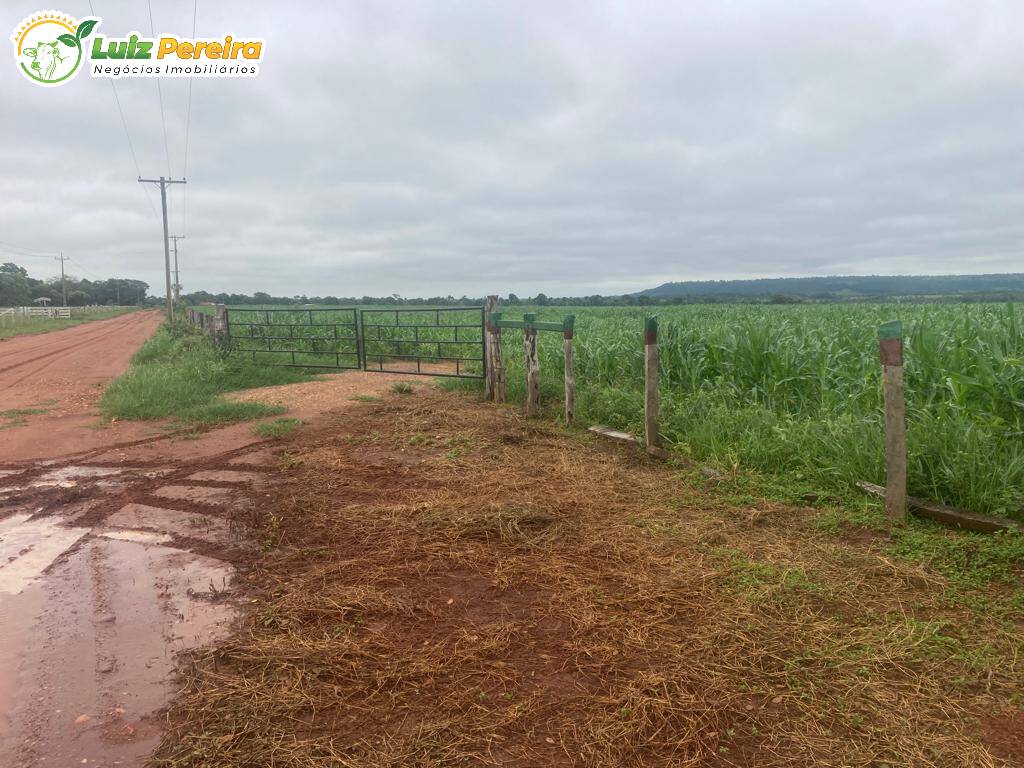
300	338
440	341
431	342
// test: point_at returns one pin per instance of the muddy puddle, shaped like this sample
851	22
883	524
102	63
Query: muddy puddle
93	616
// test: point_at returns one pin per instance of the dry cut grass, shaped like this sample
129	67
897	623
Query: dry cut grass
448	585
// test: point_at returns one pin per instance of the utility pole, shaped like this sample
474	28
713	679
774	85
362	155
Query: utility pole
63	282
177	280
163	183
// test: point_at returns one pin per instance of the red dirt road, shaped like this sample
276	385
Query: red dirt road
63	373
119	545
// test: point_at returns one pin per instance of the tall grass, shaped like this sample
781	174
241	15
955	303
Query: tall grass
177	373
797	390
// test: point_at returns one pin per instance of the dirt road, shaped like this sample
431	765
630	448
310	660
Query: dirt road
50	385
119	546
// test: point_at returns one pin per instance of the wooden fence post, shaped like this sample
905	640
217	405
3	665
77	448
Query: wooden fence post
890	343
652	436
498	360
532	366
220	325
570	376
490	363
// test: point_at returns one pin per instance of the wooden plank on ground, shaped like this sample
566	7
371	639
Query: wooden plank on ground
961	518
614	434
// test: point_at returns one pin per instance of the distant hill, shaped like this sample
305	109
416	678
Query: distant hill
850	287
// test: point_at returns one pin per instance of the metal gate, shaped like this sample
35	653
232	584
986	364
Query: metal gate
446	341
429	342
301	338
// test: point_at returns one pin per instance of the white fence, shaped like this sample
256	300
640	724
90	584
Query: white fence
51	312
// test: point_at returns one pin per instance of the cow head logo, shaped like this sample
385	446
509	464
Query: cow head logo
48	46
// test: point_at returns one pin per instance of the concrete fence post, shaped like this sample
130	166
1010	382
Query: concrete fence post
570	374
221	331
490	307
652	434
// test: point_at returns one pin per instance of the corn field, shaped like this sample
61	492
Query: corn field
796	390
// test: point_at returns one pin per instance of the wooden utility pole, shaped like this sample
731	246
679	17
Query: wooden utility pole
163	184
652	435
177	278
63	281
570	376
890	343
532	366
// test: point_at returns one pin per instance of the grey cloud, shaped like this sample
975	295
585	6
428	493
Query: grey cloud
576	147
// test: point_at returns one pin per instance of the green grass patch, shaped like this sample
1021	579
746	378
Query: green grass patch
970	561
178	374
402	388
276	428
17	413
225	412
763	582
15	417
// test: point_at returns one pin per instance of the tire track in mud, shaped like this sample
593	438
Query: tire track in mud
15	346
102	624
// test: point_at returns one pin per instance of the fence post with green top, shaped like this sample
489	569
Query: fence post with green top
652	435
570	376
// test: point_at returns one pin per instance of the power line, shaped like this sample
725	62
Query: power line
160	95
131	147
20	250
127	134
85	269
188	127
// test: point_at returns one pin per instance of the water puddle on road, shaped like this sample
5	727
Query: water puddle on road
91	623
76	473
139	537
28	546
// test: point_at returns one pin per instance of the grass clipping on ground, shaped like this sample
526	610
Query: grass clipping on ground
446	584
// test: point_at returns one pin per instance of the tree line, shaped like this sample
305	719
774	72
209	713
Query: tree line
17	289
623	300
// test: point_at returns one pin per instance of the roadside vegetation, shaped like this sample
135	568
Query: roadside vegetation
178	374
17	325
444	583
788	390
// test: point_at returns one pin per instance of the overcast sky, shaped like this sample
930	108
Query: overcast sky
448	147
